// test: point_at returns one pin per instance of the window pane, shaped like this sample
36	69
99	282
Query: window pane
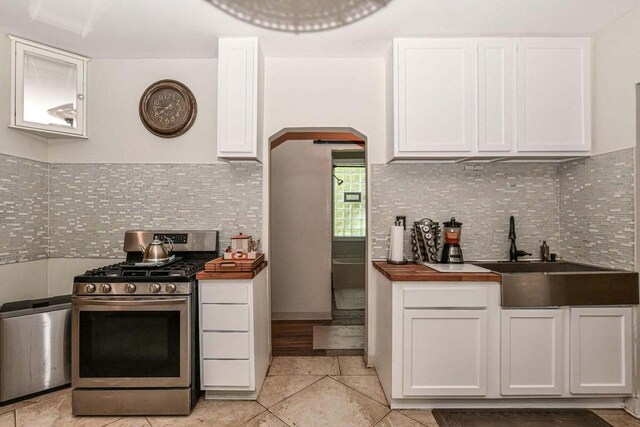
350	218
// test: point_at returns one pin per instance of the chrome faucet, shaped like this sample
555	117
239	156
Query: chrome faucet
514	252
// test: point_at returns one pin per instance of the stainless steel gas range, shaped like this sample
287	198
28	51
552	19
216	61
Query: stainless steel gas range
134	329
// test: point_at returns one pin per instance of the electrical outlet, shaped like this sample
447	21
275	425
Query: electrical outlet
473	167
403	220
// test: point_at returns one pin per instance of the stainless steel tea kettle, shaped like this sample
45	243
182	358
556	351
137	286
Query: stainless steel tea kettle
157	250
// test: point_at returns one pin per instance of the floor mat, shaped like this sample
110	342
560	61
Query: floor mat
518	418
349	298
338	337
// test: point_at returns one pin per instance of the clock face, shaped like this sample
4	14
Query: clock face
168	108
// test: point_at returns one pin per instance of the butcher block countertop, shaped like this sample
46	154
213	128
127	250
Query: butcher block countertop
419	273
236	275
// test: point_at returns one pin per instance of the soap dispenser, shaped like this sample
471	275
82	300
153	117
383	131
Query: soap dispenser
544	251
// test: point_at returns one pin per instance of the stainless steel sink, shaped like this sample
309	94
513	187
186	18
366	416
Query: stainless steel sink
553	284
539	267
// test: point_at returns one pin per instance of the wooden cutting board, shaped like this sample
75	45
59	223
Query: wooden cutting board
221	265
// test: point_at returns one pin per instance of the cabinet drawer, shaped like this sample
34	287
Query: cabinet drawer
225	345
225	317
474	296
226	373
213	293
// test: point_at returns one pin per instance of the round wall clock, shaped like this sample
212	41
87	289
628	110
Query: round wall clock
168	108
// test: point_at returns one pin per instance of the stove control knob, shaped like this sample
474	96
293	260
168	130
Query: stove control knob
90	288
129	288
155	288
170	288
105	288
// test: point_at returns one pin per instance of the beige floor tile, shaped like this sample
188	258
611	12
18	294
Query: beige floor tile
48	395
56	411
14	406
213	413
306	365
365	384
617	417
130	422
278	388
329	403
423	416
396	419
354	365
266	419
8	419
338	337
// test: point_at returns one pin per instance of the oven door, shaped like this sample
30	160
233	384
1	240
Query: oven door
131	342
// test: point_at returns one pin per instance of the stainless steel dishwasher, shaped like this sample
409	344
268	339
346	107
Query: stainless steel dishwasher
35	346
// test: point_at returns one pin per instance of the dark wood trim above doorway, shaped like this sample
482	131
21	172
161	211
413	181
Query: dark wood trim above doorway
311	134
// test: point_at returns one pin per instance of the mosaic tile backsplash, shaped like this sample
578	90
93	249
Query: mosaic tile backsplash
597	209
23	209
583	208
92	205
481	200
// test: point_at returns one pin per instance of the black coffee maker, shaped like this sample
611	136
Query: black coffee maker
451	251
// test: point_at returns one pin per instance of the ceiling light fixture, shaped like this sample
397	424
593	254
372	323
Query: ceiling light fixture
300	16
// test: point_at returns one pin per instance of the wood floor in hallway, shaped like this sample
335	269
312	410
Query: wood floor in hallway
295	337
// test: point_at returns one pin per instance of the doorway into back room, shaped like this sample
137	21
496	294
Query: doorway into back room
317	206
349	225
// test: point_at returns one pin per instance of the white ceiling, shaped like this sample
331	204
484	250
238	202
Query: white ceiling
189	28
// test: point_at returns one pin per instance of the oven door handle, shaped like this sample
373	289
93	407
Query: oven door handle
113	301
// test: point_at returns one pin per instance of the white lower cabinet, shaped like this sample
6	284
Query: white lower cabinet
531	352
452	341
601	350
445	352
234	336
226	373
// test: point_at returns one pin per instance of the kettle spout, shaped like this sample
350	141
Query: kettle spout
142	248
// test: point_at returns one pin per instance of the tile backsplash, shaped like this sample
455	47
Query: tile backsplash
93	204
597	209
23	209
583	208
482	200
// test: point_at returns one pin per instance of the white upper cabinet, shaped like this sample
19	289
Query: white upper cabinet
489	98
554	102
240	99
48	90
496	95
436	97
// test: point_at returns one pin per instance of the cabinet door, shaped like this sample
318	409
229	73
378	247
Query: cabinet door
531	352
445	353
496	94
554	94
48	90
435	95
237	97
601	350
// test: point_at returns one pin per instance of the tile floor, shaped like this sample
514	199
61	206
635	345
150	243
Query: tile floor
299	391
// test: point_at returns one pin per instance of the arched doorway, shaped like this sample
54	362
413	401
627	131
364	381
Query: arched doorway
317	246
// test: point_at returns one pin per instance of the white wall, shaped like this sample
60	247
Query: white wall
116	134
14	142
23	280
616	72
327	93
303	92
300	214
